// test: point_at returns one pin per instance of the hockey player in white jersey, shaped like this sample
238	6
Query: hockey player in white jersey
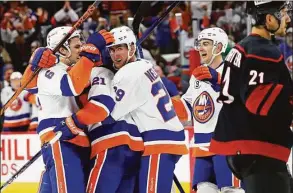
138	90
200	104
56	86
17	116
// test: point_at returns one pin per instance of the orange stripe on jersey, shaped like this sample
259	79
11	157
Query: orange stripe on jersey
153	173
91	114
255	98
95	172
165	148
114	142
16	124
26	76
59	168
269	102
197	152
180	109
33	126
235	182
79	140
80	74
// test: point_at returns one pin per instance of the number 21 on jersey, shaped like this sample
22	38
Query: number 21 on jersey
163	101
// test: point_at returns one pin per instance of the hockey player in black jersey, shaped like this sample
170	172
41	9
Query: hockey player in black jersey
253	127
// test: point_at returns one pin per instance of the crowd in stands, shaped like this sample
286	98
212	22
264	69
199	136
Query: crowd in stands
25	24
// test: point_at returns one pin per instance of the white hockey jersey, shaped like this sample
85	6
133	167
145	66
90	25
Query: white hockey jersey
18	114
138	90
203	108
109	133
56	96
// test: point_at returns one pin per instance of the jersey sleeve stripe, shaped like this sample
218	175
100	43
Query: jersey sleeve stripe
66	87
255	98
163	134
181	109
240	48
103	101
272	97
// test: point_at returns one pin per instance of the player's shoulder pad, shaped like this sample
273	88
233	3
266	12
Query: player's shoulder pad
133	70
102	71
259	48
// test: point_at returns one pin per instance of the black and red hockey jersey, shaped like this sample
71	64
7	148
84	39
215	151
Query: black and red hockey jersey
256	92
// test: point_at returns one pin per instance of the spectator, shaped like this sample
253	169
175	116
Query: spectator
65	16
34	45
7	71
17	116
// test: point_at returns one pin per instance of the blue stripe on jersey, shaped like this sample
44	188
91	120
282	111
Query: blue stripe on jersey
163	134
189	107
45	123
35	119
118	126
105	100
32	90
64	86
26	115
203	137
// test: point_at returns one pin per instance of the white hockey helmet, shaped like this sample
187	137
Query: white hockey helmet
57	34
217	35
123	35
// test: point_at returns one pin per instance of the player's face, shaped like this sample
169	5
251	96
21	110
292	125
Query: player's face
75	48
119	55
205	48
15	83
285	20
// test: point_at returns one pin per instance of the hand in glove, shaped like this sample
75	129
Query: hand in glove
42	58
70	128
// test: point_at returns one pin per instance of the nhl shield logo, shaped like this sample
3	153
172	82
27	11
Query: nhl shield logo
203	107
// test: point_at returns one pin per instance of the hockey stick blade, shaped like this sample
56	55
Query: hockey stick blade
88	13
31	161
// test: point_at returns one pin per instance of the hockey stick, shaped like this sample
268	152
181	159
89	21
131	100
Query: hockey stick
181	190
157	22
141	12
31	161
88	13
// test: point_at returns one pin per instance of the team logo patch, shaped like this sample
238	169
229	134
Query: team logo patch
16	104
203	107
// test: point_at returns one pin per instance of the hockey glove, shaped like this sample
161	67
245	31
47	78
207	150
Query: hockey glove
92	53
42	58
70	128
100	39
205	73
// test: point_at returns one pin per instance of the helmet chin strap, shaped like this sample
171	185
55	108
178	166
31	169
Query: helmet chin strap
213	56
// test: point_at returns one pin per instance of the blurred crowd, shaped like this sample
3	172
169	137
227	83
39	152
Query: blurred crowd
25	24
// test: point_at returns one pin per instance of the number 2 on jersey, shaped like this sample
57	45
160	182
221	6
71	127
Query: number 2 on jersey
163	101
